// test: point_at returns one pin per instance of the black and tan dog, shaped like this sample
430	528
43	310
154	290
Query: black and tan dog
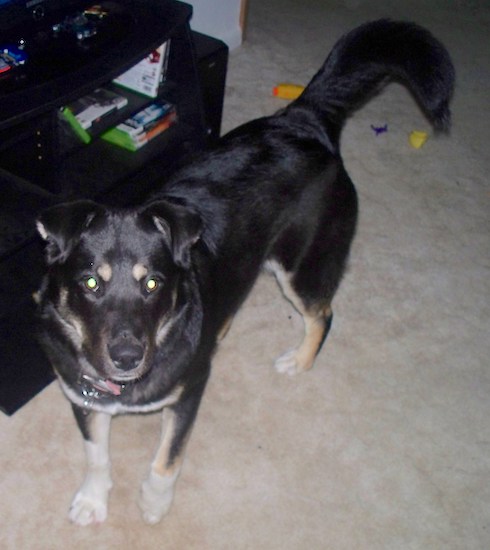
135	300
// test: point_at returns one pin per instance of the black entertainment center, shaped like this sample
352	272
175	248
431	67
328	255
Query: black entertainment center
42	161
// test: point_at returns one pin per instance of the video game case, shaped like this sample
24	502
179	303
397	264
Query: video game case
91	108
146	76
75	125
142	127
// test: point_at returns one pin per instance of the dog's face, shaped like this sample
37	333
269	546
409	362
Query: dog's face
113	280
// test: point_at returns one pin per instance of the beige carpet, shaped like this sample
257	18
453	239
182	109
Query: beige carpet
386	443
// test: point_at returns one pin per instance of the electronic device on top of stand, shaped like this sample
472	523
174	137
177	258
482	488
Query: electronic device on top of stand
11	56
17	13
42	39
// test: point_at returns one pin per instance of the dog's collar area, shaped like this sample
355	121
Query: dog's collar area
94	389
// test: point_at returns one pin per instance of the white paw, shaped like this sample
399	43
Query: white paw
288	363
88	509
156	497
90	503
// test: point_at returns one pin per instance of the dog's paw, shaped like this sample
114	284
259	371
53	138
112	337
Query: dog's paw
287	363
90	503
157	493
292	363
88	509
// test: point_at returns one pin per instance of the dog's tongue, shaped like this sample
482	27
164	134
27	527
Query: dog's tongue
106	386
114	388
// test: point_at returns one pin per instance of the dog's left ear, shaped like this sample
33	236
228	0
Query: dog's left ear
61	226
180	225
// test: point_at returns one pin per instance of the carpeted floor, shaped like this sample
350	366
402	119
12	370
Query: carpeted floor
386	443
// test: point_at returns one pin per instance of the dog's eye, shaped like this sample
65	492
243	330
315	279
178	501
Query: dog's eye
92	284
151	284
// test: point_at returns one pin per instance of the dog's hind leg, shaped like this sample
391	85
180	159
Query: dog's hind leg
90	502
317	321
315	269
302	358
158	488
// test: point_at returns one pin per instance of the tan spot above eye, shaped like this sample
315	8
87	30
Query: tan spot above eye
105	271
139	271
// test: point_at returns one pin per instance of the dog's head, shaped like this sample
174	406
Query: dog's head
116	281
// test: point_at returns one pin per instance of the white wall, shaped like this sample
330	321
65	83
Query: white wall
218	18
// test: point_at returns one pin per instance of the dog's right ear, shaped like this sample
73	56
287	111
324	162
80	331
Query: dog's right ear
61	226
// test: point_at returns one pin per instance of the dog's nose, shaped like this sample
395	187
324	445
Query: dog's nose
126	353
126	356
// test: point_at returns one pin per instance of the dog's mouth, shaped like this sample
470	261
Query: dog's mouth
97	387
103	386
104	389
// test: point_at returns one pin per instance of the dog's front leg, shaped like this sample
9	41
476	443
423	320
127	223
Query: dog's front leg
90	502
157	490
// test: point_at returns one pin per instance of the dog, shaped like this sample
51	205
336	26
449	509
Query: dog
135	301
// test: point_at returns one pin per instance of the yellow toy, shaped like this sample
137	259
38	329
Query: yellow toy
287	91
417	138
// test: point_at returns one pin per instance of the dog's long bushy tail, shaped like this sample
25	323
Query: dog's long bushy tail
373	54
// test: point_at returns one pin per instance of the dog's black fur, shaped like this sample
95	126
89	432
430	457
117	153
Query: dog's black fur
135	300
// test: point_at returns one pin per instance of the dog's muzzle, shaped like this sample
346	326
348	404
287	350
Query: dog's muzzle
126	352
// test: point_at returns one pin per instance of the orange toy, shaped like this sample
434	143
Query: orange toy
287	91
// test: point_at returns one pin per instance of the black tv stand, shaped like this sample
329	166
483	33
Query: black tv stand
33	140
42	162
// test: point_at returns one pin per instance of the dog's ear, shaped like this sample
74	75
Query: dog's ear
61	226
180	225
